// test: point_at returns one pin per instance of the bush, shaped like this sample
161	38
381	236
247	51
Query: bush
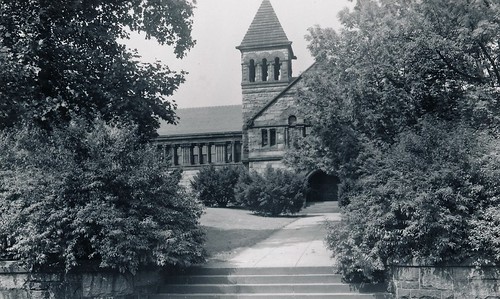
429	199
214	186
274	193
93	192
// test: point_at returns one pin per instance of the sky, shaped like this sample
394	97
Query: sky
219	26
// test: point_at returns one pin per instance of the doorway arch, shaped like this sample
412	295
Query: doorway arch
322	187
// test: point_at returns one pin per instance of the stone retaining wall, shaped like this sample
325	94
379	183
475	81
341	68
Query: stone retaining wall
17	283
446	282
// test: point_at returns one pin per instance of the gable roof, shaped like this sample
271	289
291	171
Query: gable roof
265	29
204	120
273	100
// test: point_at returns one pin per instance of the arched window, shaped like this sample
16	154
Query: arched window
277	69
264	70
292	120
251	70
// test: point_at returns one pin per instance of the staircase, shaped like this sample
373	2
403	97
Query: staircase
321	207
242	283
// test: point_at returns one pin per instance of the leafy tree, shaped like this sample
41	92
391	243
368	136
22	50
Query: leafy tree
424	198
215	185
62	58
404	108
93	193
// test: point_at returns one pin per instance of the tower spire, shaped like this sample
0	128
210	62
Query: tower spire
265	30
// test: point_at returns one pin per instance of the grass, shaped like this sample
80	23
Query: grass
229	231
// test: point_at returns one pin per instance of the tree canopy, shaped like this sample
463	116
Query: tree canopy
77	180
404	109
62	58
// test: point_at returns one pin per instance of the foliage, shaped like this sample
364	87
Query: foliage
215	185
404	110
273	193
421	197
62	58
94	192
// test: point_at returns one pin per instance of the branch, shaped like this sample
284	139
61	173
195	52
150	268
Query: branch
477	79
492	61
398	84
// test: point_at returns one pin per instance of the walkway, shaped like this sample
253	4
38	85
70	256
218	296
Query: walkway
292	263
299	244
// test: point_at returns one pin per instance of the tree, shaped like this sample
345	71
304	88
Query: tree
394	94
94	193
61	59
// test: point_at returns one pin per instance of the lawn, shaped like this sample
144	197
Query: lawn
229	231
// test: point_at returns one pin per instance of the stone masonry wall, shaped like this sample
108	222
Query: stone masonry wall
257	95
256	150
261	166
280	111
275	117
446	282
18	283
283	54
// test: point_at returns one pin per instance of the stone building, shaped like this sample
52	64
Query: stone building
258	132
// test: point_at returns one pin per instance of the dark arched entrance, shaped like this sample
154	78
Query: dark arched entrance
322	187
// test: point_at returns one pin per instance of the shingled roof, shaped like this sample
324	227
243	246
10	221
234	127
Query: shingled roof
205	120
265	30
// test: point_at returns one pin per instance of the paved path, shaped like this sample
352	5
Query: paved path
299	244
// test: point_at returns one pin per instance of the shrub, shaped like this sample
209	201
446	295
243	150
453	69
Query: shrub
429	199
93	192
273	193
214	186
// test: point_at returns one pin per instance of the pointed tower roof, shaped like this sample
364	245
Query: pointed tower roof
265	30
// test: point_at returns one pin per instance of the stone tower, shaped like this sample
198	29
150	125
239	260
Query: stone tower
266	64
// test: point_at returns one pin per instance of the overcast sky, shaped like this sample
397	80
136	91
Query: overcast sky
219	26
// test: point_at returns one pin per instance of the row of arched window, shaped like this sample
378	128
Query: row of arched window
264	69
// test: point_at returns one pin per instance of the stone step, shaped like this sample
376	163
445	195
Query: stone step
275	295
258	288
254	279
282	282
257	271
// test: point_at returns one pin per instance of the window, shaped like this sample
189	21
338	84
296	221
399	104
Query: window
251	71
264	137
229	153
196	155
166	153
212	154
264	70
178	155
272	137
204	151
307	131
292	121
186	155
277	69
220	153
237	152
